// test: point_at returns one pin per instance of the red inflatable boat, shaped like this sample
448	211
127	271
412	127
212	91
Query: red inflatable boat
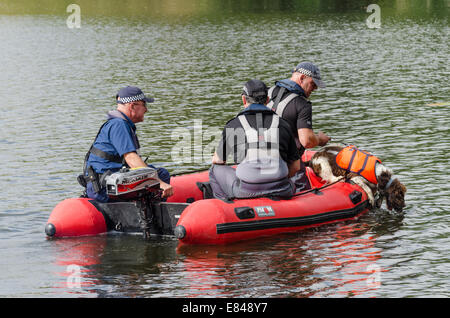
194	218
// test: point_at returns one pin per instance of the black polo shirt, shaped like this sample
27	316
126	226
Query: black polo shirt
298	112
233	132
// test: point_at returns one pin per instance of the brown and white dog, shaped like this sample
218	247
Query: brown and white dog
324	165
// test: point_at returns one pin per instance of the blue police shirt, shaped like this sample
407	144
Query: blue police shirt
117	137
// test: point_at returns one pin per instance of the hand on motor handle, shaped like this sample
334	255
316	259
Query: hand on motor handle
167	189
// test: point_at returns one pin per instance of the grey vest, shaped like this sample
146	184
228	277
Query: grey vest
263	171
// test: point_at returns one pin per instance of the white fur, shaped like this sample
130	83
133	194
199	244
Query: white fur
363	184
333	152
380	168
326	173
370	189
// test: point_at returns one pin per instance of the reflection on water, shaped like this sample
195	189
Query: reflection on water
337	260
74	258
196	9
193	57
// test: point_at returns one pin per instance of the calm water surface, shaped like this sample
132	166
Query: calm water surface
57	84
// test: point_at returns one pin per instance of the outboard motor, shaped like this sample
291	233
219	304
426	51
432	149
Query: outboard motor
140	185
130	184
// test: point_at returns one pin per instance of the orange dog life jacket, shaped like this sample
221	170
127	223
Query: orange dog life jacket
354	160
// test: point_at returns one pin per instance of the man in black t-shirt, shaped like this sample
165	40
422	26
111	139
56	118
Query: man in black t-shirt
289	99
262	145
233	132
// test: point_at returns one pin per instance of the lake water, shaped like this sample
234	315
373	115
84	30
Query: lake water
58	82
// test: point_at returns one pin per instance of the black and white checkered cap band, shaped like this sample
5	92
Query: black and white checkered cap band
132	98
307	73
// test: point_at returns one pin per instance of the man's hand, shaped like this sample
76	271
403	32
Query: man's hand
323	138
309	139
167	189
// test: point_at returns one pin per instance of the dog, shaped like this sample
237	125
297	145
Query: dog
379	183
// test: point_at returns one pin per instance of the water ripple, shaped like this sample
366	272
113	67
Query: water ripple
379	85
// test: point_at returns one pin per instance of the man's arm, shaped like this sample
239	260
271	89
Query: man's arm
305	132
293	166
135	161
309	139
216	159
221	150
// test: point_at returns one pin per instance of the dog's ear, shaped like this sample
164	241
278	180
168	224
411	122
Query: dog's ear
395	196
383	180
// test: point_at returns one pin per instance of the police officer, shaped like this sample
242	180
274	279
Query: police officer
117	145
262	144
289	99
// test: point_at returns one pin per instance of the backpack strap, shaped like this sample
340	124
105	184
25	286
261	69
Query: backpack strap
282	105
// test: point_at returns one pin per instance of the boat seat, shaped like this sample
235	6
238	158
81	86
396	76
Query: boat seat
206	189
